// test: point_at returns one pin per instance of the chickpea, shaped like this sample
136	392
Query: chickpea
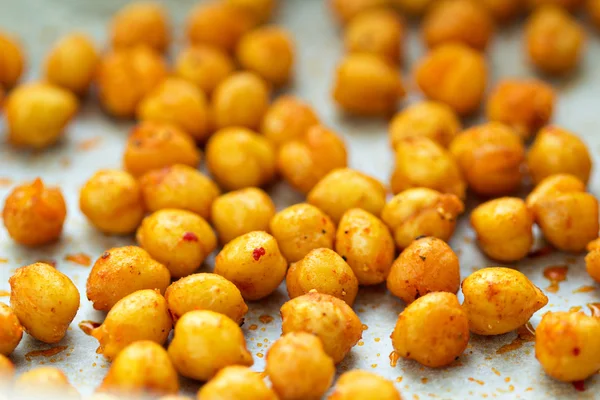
499	300
239	158
295	355
11	331
7	369
592	260
174	397
463	81
242	211
366	84
345	10
426	265
345	188
304	162
261	10
44	300
555	41
414	8
553	186
38	113
288	118
433	330
12	60
206	292
503	10
490	157
570	5
204	65
236	383
141	23
253	263
329	318
377	31
179	239
153	145
34	214
593	12
72	62
361	385
126	76
44	382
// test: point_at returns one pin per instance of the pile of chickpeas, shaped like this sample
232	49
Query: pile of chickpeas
351	232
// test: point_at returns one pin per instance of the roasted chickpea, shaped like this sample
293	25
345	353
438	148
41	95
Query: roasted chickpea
426	265
239	158
366	84
179	239
7	369
463	81
206	292
570	5
593	12
433	330
328	317
378	31
12	60
361	385
44	382
554	185
44	300
34	214
345	10
490	157
11	331
236	383
112	202
592	260
153	145
141	23
204	65
555	41
288	118
499	300
126	76
261	10
503	10
414	8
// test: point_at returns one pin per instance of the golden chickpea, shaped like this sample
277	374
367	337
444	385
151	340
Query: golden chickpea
72	62
37	114
44	300
490	157
253	263
299	368
503	10
288	118
378	31
261	10
236	383
242	211
421	162
366	84
592	260
154	145
11	331
453	74
12	60
126	76
7	369
593	12
426	265
414	8
34	214
206	292
238	158
141	23
345	10
553	186
112	202
345	188
329	318
555	41
41	382
570	5
433	330
179	239
361	385
204	65
499	300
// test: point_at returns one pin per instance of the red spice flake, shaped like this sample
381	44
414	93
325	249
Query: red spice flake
89	144
45	353
579	386
541	252
5	181
258	253
190	237
576	351
265	319
477	381
79	258
4	293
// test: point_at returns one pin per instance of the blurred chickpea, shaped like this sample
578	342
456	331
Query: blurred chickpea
206	342
570	5
12	60
593	12
206	292
433	330
490	157
261	10
179	239
38	113
499	300
553	186
125	76
236	383
366	84
555	41
453	74
288	118
414	8
7	369
72	62
204	65
304	162
11	331
503	10
421	212
592	260
238	158
525	105
377	31
44	382
345	10
44	300
360	385
34	214
141	23
153	145
426	265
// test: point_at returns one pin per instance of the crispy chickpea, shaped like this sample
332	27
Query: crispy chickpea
37	114
12	60
345	10
204	65
288	118
11	331
141	23
453	74
377	31
179	239
236	383
593	12
72	62
237	213
433	330
112	202
421	162
592	259
261	10
426	265
44	382
361	385
490	157
7	369
499	300
34	214
44	300
553	186
366	84
206	292
570	5
555	41
503	10
126	76
153	145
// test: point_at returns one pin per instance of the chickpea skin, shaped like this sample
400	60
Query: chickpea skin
141	23
204	65
378	31
361	385
261	10
11	331
503	11
345	10
42	382
592	260
12	60
236	383
288	118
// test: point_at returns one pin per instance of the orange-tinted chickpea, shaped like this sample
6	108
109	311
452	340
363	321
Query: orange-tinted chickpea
204	65
11	332
7	370
12	60
360	385
41	382
261	10
141	23
503	10
288	118
236	382
592	260
570	5
378	31
414	8
593	12
553	186
345	10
